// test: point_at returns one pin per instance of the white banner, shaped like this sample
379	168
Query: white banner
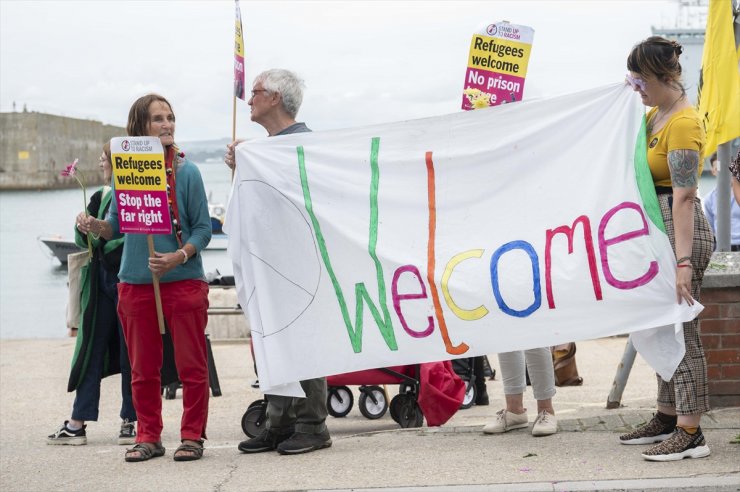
513	227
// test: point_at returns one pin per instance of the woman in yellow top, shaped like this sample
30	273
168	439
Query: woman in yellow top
675	141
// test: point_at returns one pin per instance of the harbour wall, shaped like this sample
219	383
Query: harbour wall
36	147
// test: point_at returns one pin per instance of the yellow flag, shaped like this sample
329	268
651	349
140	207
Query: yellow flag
719	82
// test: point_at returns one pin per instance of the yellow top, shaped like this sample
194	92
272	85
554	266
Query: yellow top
683	131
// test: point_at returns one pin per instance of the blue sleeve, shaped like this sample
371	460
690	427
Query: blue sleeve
710	206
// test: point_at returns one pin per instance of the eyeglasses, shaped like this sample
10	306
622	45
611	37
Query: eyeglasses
255	91
635	82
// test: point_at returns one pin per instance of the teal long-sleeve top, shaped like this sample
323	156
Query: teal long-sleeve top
195	220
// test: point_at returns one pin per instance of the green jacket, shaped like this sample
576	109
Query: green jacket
106	254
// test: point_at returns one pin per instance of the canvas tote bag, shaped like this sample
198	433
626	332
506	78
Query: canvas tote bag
75	262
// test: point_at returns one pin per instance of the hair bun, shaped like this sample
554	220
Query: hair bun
677	48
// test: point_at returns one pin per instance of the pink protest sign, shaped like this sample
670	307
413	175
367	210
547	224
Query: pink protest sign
238	56
497	65
141	185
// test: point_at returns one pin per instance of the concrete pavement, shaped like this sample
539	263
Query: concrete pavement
366	454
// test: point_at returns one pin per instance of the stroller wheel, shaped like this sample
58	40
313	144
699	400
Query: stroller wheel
256	403
254	418
407	411
339	401
410	414
373	404
395	407
470	394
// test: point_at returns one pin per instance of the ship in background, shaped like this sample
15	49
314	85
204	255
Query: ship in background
689	30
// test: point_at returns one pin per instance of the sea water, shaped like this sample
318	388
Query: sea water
33	285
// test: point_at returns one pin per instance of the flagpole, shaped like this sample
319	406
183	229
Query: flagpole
238	91
723	198
233	131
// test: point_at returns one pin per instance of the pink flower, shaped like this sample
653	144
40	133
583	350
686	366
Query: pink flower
71	169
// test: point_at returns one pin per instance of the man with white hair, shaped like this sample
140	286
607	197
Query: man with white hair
294	425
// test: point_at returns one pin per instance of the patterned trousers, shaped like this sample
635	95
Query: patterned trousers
687	391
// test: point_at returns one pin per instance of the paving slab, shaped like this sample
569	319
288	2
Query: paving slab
366	454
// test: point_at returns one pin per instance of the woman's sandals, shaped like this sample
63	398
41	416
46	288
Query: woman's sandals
146	450
189	452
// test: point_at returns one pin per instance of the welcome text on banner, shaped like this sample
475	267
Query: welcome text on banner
514	227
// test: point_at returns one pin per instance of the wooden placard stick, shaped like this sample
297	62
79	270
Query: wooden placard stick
155	284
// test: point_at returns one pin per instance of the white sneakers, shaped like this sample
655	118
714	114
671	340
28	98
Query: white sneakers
544	425
506	421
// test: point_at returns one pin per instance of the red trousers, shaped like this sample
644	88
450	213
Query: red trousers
185	306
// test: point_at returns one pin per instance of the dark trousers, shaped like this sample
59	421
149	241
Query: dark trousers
287	414
107	325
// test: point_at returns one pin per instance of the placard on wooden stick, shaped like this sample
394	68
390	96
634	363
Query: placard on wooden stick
141	194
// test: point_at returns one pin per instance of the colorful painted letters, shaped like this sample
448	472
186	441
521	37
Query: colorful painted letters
380	311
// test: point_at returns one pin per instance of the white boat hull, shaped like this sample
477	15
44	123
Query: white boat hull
218	242
60	248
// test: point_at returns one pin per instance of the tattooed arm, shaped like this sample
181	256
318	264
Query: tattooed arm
684	168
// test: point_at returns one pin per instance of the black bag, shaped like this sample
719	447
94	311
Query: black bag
168	373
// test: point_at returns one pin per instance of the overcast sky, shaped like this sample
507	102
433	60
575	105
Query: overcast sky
363	62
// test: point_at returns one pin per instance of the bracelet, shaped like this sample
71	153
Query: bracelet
682	259
185	256
100	231
688	265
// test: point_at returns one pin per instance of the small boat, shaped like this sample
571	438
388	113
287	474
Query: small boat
217	211
59	247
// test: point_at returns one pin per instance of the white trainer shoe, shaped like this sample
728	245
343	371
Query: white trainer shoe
506	421
545	424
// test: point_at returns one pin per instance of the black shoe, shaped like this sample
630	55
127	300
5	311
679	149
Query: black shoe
67	436
302	442
481	398
127	435
267	440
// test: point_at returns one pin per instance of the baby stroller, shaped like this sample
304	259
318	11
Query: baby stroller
430	390
474	371
373	400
